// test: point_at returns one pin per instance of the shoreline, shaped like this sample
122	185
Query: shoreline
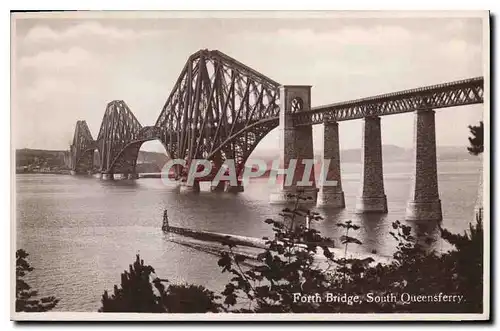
54	172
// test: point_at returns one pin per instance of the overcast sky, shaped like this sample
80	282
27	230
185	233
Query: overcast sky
69	69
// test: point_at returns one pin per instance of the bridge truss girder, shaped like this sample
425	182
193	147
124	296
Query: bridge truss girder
82	149
221	109
119	129
215	108
125	161
453	94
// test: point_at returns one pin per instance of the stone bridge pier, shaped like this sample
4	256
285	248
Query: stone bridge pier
133	175
224	186
107	176
331	196
184	187
217	164
118	176
228	188
372	196
296	145
424	203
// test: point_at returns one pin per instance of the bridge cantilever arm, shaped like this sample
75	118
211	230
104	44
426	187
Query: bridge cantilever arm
234	62
271	120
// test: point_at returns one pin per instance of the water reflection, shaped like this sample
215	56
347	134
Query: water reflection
82	231
427	234
129	183
373	232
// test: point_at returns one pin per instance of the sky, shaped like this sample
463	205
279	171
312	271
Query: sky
68	68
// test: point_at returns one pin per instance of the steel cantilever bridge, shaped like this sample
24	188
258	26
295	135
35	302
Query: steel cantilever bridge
220	109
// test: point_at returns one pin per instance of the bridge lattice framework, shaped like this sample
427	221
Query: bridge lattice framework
221	109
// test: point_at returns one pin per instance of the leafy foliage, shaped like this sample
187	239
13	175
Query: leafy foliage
477	139
26	297
285	267
191	299
136	292
288	265
142	292
297	263
467	262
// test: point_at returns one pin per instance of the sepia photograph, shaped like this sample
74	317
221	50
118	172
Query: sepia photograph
250	165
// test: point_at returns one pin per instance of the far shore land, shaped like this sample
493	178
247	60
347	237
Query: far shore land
150	164
44	172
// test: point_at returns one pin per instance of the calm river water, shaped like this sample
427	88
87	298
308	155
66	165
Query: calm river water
81	232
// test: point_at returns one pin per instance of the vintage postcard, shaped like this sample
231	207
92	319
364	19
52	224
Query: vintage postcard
191	165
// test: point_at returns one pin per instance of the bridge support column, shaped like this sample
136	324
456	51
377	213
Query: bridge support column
217	188
133	176
424	204
233	189
108	176
295	143
217	163
331	196
372	197
186	188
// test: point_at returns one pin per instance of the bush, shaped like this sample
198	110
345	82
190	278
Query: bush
142	292
298	271
290	269
25	296
136	292
191	299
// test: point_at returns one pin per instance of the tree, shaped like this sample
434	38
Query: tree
477	139
136	293
287	266
191	299
142	291
26	297
297	264
476	148
467	262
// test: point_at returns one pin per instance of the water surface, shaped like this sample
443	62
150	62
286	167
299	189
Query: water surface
81	233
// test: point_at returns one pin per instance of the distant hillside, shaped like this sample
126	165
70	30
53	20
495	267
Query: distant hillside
40	157
391	153
159	159
56	159
452	153
147	167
